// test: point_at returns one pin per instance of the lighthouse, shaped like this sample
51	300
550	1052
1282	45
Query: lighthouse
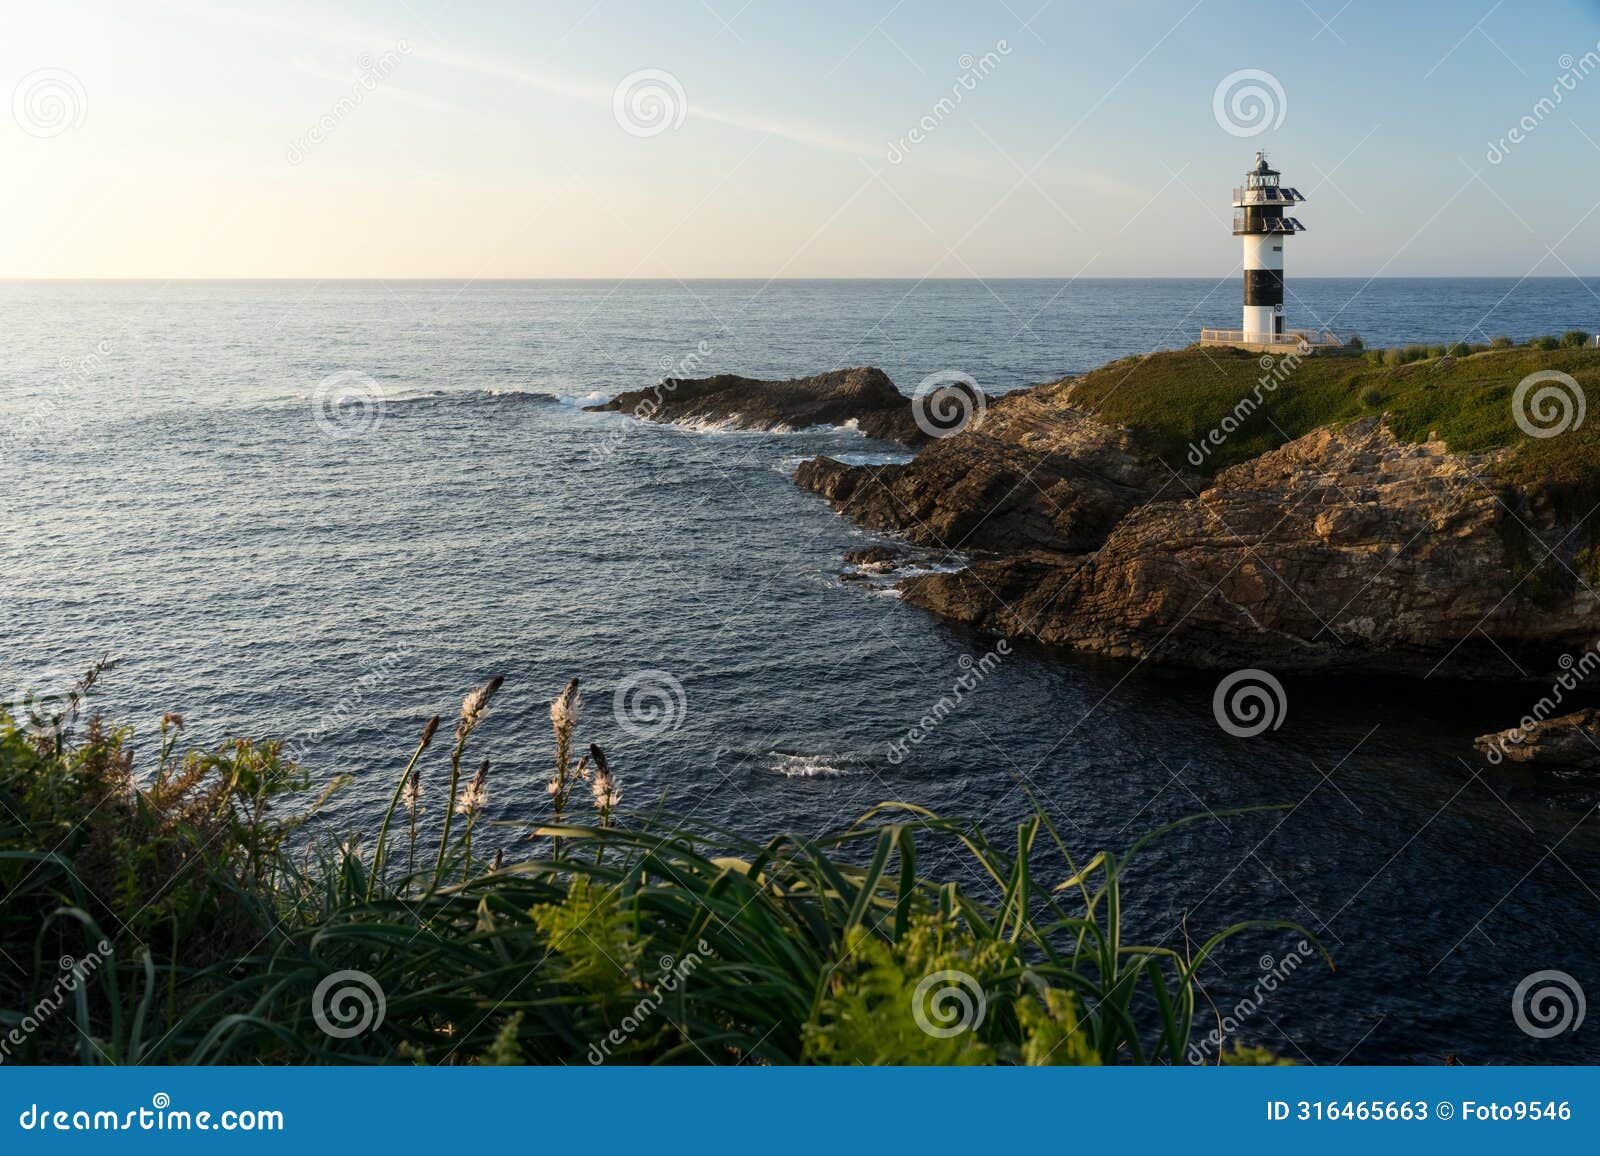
1259	218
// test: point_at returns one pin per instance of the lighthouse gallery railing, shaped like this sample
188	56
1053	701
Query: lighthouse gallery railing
1313	338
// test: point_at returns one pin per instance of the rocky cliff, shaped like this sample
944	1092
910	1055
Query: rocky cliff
1347	548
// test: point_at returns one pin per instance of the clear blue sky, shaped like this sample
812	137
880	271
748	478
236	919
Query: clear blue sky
240	139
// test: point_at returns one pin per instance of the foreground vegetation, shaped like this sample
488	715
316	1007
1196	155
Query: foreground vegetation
1462	394
183	911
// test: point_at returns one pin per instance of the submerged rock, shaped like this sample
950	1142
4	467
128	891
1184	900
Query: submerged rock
879	559
863	397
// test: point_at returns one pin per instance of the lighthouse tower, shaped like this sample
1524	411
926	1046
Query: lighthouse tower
1259	218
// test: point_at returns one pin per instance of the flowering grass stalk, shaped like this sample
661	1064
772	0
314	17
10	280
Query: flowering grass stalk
410	780
412	800
473	708
564	722
469	804
603	786
564	712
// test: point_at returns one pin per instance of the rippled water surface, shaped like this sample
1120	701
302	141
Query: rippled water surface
172	500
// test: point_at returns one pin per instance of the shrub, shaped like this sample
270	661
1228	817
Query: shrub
1413	353
1393	357
1437	350
179	856
1574	339
1547	342
1460	349
1372	397
1501	343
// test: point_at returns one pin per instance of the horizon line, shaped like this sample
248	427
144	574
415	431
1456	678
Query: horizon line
303	278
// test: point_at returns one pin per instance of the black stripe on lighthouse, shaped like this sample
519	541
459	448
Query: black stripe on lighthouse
1263	286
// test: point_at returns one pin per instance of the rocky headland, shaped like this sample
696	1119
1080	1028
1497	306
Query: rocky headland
1218	510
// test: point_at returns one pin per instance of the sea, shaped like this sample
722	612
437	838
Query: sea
324	511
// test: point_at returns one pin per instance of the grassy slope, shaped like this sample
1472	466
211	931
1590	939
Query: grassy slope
1174	399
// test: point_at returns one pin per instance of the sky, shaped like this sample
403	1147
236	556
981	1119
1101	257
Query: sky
753	138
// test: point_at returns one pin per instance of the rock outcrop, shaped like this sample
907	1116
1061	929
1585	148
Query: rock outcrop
1569	741
875	560
1025	475
864	397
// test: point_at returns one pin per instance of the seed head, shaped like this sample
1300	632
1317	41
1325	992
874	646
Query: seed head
606	795
604	787
564	710
472	798
473	706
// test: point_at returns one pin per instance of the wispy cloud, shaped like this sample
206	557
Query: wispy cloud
307	66
600	96
427	46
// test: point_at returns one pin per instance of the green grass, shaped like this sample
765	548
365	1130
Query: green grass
603	938
1173	399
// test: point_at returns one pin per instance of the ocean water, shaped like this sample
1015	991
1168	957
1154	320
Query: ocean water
176	497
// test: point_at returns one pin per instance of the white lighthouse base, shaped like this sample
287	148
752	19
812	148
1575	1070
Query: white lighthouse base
1260	323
